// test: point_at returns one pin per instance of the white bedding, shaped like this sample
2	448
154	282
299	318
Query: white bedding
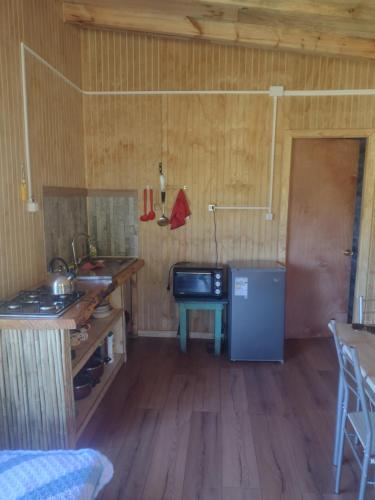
58	475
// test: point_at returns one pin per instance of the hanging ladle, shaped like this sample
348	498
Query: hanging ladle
163	220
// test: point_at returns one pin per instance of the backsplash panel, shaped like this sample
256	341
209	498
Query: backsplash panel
64	216
113	223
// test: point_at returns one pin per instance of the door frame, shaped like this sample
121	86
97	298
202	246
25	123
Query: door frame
365	229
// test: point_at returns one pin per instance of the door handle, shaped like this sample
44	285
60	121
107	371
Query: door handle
348	253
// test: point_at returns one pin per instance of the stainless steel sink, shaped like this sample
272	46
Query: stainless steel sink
112	265
118	259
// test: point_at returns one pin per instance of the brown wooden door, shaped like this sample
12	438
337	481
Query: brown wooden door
320	228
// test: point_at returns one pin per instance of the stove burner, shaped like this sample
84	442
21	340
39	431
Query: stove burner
38	303
47	307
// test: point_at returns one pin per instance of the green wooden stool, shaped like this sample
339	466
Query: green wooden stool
186	305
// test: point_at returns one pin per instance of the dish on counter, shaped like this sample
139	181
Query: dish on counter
102	310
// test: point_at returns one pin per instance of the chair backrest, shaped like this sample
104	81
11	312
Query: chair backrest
352	377
366	310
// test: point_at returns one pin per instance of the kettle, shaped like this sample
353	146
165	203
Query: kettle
60	280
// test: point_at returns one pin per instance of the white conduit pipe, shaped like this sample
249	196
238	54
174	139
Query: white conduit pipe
287	93
273	153
236	207
49	66
328	93
175	92
31	206
272	169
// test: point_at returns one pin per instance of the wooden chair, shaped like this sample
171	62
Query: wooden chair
355	420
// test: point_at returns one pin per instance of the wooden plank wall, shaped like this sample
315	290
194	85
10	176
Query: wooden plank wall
128	61
56	130
216	145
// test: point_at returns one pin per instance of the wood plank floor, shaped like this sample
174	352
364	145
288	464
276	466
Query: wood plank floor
193	427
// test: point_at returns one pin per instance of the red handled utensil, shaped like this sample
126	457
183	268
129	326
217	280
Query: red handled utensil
151	215
144	217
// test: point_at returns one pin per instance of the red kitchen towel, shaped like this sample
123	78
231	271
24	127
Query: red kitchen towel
180	211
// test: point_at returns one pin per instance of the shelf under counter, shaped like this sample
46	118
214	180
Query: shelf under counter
42	347
86	407
98	332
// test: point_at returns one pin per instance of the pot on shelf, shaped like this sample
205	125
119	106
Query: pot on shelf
94	368
60	280
82	386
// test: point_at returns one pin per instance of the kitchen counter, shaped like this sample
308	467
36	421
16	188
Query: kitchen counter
79	313
37	368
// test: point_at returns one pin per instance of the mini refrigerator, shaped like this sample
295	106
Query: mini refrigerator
256	311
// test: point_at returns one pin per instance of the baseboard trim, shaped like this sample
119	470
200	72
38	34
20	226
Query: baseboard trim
173	334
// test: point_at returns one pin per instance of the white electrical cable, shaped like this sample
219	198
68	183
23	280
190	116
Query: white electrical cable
138	92
236	207
31	205
175	92
30	198
273	152
271	92
271	168
328	93
49	66
288	93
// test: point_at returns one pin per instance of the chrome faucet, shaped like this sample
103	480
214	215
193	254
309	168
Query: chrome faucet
76	237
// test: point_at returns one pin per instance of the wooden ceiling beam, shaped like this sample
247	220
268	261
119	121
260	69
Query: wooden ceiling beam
119	18
244	33
180	8
309	22
347	9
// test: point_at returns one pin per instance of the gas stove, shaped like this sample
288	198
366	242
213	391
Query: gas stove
38	303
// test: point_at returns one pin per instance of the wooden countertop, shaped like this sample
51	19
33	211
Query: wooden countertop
78	314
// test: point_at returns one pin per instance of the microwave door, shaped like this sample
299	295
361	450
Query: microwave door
193	283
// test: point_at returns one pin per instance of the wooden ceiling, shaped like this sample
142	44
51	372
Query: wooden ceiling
333	27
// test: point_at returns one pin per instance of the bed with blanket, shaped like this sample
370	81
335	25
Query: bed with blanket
58	475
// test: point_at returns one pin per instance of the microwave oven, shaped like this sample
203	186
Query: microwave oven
194	280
